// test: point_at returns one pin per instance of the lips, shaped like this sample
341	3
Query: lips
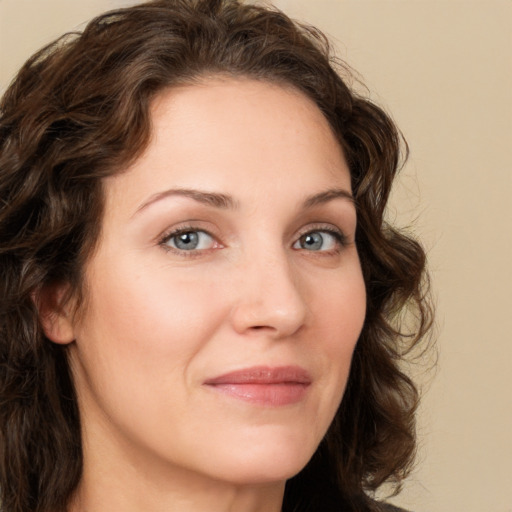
263	385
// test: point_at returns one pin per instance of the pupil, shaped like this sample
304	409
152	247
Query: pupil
187	240
313	241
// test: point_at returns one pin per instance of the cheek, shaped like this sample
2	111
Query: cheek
143	331
133	363
339	309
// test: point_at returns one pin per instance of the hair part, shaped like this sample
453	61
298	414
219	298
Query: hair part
79	111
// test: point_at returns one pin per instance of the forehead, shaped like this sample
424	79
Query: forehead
263	109
235	136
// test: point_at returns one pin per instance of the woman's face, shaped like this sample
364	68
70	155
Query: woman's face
225	296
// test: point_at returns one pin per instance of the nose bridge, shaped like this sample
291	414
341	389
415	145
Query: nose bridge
269	295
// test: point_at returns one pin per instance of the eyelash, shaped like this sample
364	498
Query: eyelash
338	235
175	233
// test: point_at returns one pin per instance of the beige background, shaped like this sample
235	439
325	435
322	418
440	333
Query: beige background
444	69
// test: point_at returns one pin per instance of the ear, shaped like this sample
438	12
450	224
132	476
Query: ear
55	312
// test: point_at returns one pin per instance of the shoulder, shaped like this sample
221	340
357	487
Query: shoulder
386	507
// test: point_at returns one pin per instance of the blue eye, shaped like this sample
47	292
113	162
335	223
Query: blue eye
318	241
190	240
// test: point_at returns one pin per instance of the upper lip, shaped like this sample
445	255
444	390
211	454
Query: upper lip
263	375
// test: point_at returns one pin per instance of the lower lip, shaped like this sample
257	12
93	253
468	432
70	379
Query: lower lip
274	395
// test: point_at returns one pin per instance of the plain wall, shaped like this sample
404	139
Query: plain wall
444	71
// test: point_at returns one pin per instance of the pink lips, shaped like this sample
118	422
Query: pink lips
264	385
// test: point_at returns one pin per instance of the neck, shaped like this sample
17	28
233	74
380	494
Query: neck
113	495
115	479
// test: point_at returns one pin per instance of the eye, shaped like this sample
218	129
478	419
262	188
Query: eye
189	240
319	240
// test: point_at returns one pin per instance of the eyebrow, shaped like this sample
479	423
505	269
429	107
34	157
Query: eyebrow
214	199
225	202
328	195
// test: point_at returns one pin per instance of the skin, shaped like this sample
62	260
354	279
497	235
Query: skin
160	321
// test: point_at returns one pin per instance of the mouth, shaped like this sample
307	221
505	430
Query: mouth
263	385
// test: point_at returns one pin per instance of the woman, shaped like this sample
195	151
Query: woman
200	297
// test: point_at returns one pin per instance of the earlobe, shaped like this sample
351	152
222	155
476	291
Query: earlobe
55	313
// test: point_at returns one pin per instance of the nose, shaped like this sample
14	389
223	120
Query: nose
268	298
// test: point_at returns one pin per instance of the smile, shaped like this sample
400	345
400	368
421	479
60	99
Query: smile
263	385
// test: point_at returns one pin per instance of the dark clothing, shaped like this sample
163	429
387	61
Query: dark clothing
386	507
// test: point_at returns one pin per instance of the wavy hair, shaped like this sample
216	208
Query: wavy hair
79	111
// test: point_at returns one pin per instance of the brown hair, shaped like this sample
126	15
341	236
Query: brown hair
79	111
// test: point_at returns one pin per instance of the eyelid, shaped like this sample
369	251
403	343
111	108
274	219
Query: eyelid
195	226
328	228
163	239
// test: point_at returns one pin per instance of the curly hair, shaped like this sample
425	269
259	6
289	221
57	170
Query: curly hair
79	111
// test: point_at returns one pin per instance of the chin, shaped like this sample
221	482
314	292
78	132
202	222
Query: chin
265	463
